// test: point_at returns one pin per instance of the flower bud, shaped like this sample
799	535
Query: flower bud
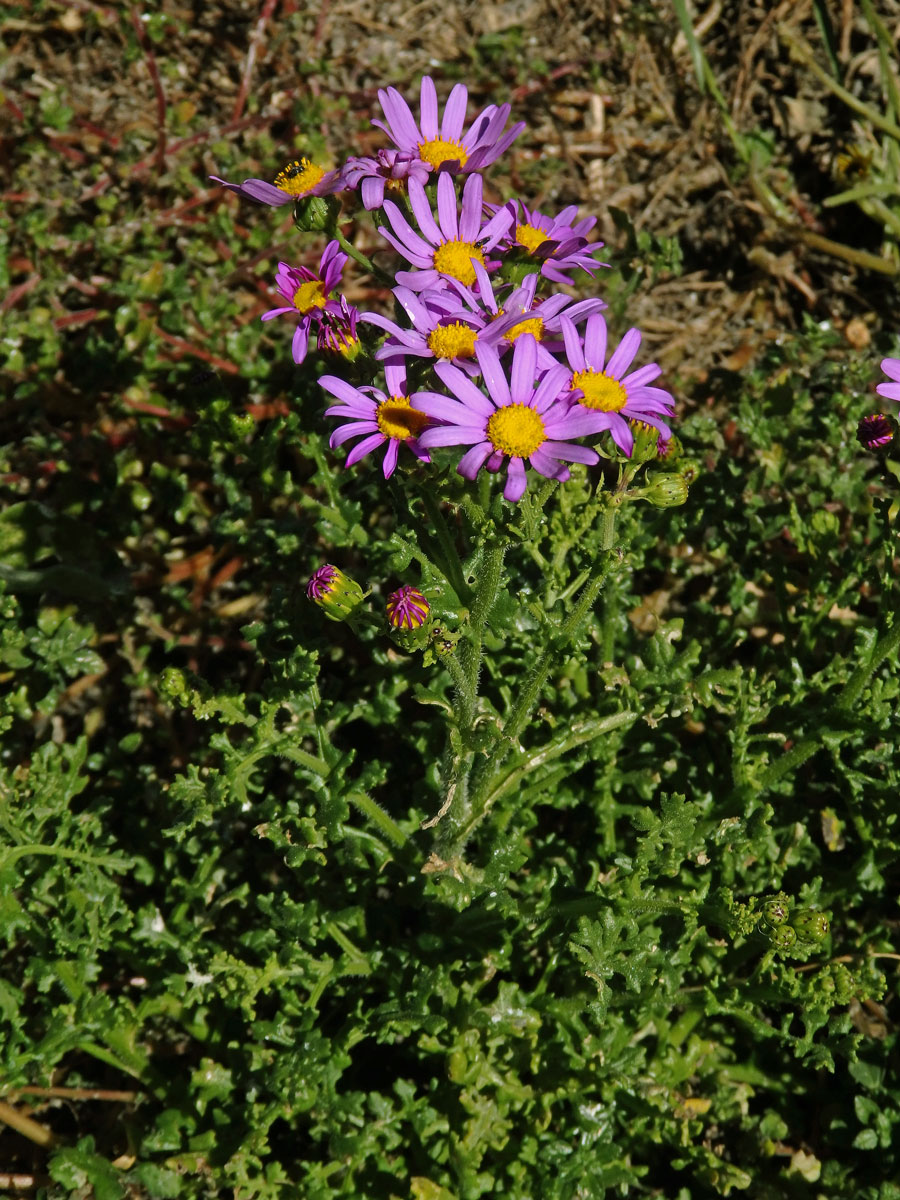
407	608
775	912
810	925
782	937
316	214
334	592
646	439
665	491
875	431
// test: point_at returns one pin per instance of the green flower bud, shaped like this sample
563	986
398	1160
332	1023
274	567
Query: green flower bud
316	214
334	592
810	925
646	441
775	912
665	491
782	937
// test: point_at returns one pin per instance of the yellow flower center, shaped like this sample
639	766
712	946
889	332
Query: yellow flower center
397	419
309	295
297	178
532	325
517	430
452	341
455	259
530	238
437	151
600	391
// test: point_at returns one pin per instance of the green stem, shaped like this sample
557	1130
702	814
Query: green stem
365	262
378	817
470	652
451	561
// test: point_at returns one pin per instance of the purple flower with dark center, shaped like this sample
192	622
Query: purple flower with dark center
407	608
389	170
516	420
559	244
875	430
449	248
605	390
444	146
307	294
376	417
298	178
891	368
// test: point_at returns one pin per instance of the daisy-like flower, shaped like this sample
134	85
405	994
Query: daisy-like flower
891	368
874	431
444	146
516	420
559	244
603	388
446	247
298	178
407	608
440	329
376	417
389	169
307	294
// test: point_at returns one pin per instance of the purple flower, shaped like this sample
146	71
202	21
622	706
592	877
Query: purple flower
307	294
891	368
337	331
448	248
334	591
444	146
516	420
558	243
298	178
407	608
377	418
440	329
605	390
875	430
390	169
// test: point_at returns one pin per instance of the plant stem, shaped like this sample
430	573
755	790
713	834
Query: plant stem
451	561
358	256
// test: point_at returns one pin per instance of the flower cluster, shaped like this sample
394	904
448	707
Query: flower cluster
483	356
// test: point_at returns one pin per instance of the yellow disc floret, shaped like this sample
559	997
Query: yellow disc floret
455	259
530	238
396	418
600	391
517	430
309	295
298	177
437	152
452	341
532	325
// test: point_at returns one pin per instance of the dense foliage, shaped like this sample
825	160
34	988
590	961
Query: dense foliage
660	959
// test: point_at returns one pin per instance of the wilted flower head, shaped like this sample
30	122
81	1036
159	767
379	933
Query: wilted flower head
298	178
445	146
337	331
307	294
874	431
557	244
407	608
389	170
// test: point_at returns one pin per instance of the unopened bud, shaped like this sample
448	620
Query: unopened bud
407	608
875	431
810	925
646	438
334	592
316	214
665	491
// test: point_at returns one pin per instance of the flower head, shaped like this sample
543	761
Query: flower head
407	608
445	248
891	368
604	389
440	328
558	244
874	431
334	591
389	170
445	146
516	420
298	178
307	294
376	417
337	331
